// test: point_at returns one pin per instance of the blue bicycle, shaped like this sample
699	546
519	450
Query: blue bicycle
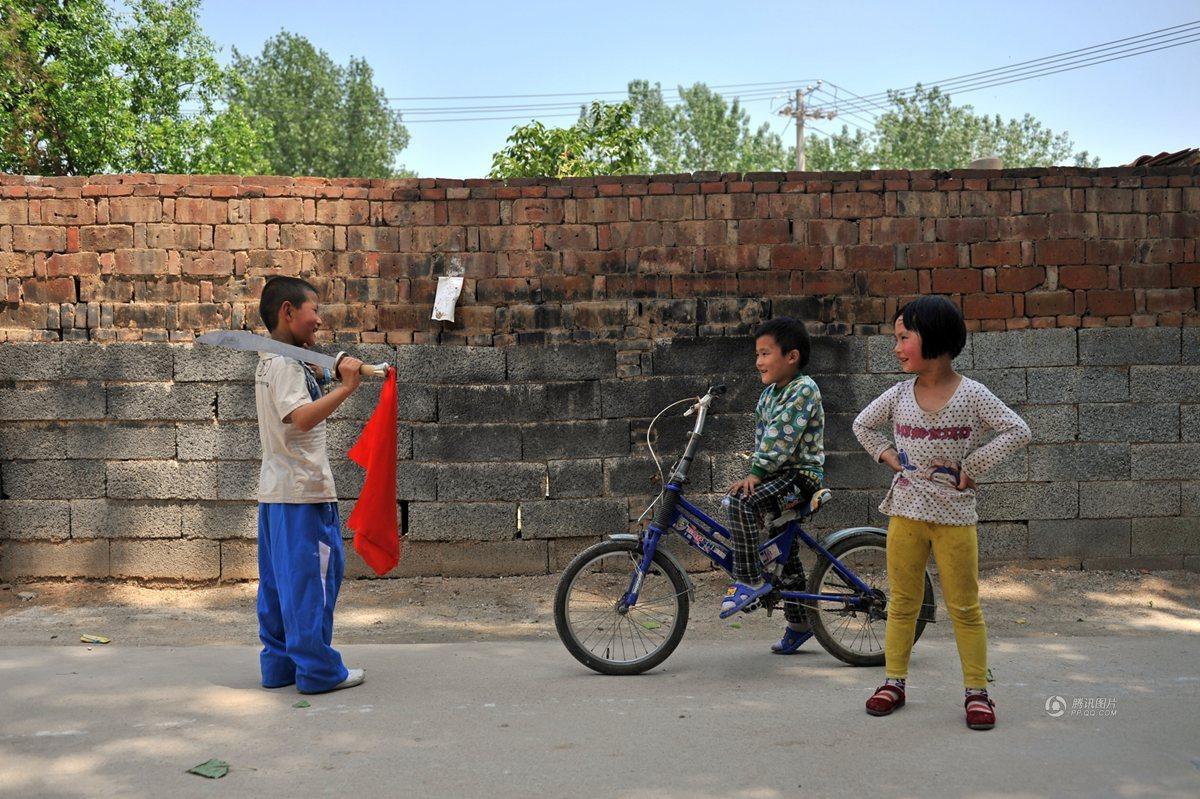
622	605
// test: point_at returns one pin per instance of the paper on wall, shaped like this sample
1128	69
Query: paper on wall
444	301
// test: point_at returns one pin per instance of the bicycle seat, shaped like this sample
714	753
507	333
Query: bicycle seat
800	510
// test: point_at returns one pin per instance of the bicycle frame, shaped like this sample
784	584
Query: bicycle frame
702	533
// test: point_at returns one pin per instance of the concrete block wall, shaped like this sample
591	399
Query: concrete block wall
140	460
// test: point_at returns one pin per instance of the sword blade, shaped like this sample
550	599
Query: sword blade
252	342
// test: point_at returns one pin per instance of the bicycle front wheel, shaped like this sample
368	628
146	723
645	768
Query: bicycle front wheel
854	634
603	635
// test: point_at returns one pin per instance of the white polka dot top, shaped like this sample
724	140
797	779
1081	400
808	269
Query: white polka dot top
934	447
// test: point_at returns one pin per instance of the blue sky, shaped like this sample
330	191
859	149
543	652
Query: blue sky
1116	110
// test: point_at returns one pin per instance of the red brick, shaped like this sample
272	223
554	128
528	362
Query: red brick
987	306
1143	276
1185	275
667	208
414	213
1083	277
39	238
927	256
1122	226
857	205
695	234
1063	251
731	258
105	238
764	284
276	209
15	264
178	237
635	286
134	209
201	212
985	203
1164	251
210	263
14	212
1024	228
68	212
240	237
1110	252
56	290
349	212
1159	300
504	237
956	281
893	230
1043	201
1003	253
602	210
868	256
638	234
794	206
1182	226
764	231
962	231
1073	226
798	256
832	231
1113	201
889	284
1020	278
141	262
570	237
305	237
544	211
1110	303
728	206
78	263
828	282
1049	303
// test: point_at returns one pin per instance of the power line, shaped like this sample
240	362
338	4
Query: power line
1048	65
586	94
761	94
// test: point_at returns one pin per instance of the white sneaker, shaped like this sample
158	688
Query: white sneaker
353	678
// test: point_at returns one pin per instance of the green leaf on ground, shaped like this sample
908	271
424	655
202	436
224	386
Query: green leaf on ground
651	625
213	769
736	625
302	703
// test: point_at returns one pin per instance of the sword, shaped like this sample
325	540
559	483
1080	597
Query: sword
251	342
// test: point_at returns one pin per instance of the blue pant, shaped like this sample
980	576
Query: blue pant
300	566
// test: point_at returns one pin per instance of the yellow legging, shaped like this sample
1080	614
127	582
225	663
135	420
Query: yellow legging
956	551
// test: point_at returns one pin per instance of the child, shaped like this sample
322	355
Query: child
788	462
938	421
300	561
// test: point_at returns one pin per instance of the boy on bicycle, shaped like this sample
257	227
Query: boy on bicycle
788	464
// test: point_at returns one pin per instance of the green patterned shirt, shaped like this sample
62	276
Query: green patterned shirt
789	432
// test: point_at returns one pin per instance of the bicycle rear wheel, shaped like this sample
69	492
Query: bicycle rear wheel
852	634
602	635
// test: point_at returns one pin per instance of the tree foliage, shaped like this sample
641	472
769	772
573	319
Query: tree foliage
322	118
82	91
603	142
925	130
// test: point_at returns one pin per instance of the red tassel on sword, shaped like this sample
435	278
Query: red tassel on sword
373	520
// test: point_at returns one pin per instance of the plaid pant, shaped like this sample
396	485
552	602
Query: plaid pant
746	517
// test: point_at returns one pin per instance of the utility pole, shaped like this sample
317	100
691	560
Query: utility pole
799	111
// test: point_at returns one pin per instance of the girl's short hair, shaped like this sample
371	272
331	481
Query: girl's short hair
789	334
939	323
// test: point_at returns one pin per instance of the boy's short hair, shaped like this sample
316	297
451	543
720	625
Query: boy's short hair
279	290
790	334
939	323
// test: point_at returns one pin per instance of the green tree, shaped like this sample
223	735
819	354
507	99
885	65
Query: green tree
702	132
603	142
324	119
925	130
83	92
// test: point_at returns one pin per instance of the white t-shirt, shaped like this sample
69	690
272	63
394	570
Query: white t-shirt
295	465
933	447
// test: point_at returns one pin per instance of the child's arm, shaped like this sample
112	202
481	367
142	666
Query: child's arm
783	430
311	414
872	417
1012	434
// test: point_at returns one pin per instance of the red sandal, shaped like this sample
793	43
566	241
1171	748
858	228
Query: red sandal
885	699
981	712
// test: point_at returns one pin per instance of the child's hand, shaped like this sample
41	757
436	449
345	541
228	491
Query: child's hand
891	458
348	371
965	481
745	488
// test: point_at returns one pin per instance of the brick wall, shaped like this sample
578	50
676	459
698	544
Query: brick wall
588	305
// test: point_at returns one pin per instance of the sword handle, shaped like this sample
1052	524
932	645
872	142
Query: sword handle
367	369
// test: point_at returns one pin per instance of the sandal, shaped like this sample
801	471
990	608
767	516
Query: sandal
791	641
739	596
981	712
885	699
